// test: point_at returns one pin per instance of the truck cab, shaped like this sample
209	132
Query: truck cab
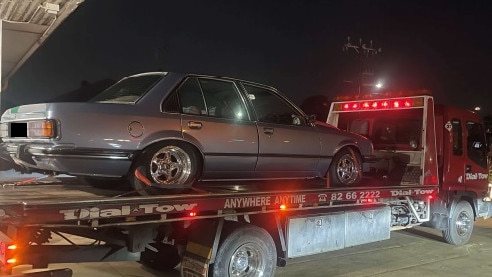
417	142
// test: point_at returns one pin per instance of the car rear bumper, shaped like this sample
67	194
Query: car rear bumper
68	159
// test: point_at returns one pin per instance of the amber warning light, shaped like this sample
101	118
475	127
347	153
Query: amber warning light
380	104
8	252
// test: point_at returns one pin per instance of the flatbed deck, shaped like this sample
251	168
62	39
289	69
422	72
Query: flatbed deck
65	202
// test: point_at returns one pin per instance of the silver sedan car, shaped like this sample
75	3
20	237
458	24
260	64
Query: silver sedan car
169	130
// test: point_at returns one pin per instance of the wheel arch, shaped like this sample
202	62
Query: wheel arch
176	140
467	196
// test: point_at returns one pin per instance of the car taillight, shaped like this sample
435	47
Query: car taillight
41	129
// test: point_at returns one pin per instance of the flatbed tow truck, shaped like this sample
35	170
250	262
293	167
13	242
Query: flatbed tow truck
436	179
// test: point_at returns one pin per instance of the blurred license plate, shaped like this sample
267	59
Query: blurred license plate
18	130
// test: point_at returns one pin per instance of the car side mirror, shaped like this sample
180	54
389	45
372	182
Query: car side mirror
311	118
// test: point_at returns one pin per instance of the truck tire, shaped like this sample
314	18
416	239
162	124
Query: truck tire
461	222
246	251
346	168
167	166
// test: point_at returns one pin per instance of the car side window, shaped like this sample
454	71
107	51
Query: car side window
191	98
222	99
271	108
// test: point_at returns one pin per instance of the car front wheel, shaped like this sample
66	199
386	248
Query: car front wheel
346	168
165	166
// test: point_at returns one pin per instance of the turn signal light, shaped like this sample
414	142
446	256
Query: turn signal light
41	129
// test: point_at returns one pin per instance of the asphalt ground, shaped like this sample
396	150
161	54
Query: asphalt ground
413	252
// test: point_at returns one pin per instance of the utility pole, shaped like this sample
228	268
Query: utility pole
366	54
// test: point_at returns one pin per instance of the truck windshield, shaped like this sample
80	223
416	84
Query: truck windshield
128	90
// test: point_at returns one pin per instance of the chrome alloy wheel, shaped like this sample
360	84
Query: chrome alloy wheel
464	223
170	165
346	169
247	260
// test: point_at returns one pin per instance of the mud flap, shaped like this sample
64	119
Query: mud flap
484	209
201	248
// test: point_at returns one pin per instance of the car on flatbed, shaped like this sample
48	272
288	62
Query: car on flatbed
172	129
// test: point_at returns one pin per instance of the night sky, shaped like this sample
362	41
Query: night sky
295	46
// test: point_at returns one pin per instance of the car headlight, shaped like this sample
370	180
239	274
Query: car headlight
41	129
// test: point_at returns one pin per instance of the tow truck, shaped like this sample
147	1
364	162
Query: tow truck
430	169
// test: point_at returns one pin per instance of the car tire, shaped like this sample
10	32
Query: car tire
165	167
346	168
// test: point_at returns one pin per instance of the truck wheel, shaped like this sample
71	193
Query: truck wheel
346	168
247	251
461	223
166	166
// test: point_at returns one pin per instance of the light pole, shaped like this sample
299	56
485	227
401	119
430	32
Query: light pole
366	54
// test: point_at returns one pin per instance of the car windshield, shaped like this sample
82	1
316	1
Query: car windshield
128	90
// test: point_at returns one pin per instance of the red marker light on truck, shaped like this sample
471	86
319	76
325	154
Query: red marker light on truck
380	104
283	207
11	261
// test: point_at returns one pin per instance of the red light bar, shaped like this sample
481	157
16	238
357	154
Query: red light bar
380	104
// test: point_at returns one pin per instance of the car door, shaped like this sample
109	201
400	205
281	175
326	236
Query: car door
288	145
215	119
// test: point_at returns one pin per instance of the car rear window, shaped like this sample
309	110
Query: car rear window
128	90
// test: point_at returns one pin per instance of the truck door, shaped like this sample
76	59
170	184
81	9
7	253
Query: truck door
467	162
476	171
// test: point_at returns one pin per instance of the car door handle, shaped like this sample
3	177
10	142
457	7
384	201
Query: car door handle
195	125
268	131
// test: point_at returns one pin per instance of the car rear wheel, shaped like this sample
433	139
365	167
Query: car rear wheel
165	166
346	168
